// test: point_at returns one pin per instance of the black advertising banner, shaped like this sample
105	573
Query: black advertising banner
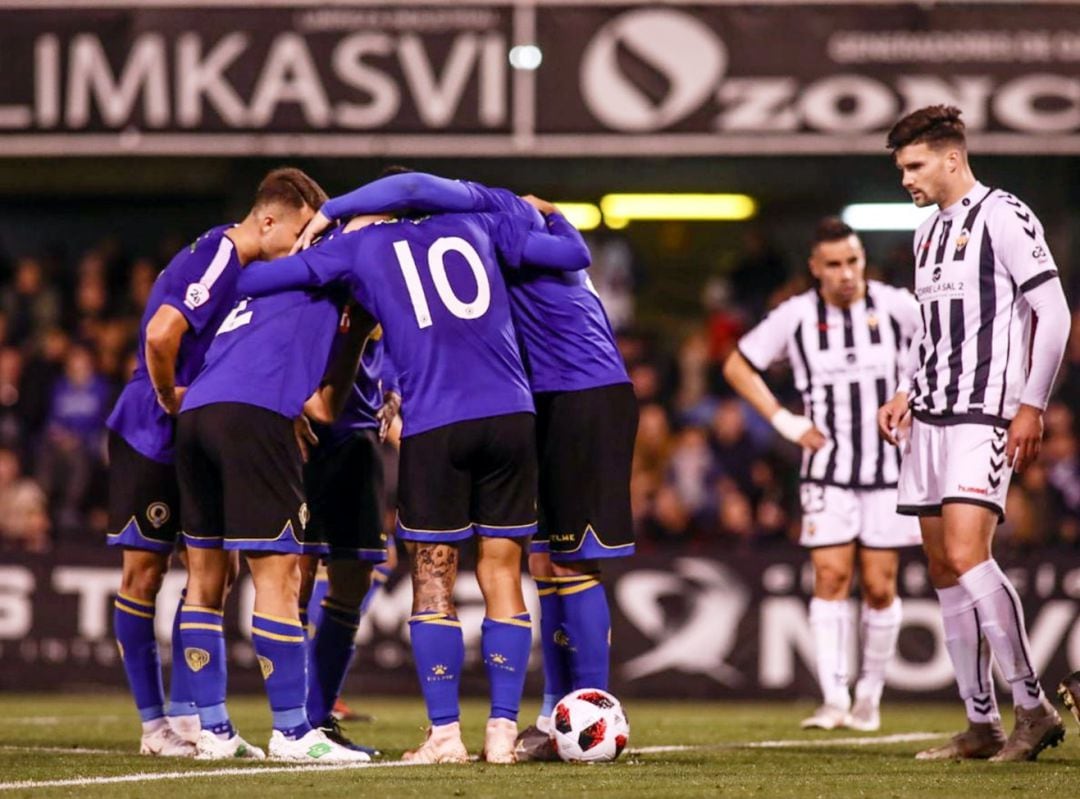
712	624
434	77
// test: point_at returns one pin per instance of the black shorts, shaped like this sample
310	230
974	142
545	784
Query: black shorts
241	480
475	476
345	485
585	442
144	499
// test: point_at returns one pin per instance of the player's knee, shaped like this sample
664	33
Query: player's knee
575	568
349	581
831	582
879	595
960	557
143	580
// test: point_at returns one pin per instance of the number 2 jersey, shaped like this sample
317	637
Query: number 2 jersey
199	282
270	352
846	363
436	288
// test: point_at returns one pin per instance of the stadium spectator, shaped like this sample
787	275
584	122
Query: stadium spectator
24	518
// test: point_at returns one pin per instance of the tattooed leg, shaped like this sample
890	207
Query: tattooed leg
434	568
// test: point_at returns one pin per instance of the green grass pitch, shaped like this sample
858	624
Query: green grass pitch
731	750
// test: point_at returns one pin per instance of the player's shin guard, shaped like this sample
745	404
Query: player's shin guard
379	575
203	635
133	620
181	700
970	655
587	621
331	653
553	646
833	627
280	649
1002	619
439	653
505	644
880	631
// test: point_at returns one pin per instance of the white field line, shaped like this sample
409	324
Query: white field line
49	721
254	770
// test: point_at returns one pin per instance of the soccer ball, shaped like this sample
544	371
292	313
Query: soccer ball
589	726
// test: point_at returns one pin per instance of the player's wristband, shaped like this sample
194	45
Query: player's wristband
791	426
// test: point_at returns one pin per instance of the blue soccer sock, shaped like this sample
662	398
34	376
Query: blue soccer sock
203	634
587	621
312	614
181	700
505	644
280	649
553	646
379	575
133	621
439	653
332	650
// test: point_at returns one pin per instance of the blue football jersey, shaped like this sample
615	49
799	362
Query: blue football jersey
200	282
436	287
565	334
564	331
374	377
270	352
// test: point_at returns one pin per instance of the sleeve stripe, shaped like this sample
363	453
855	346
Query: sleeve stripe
1038	280
217	266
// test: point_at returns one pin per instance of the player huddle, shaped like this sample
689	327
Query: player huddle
470	307
513	399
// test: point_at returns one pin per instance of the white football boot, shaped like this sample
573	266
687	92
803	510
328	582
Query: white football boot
865	716
443	745
187	727
313	747
500	740
826	717
164	742
210	747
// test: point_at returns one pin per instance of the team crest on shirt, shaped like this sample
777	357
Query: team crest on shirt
963	238
196	658
266	666
158	513
197	294
937	274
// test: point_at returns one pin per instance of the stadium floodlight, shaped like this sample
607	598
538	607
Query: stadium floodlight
886	216
583	216
526	56
689	207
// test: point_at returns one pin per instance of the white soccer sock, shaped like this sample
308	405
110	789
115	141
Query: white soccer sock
1002	620
833	626
880	631
970	655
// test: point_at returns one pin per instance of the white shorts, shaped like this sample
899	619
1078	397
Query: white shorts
953	463
833	516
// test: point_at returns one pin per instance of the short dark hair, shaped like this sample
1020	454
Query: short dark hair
394	169
831	228
933	125
290	187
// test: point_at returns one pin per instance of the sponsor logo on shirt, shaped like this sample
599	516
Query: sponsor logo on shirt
197	294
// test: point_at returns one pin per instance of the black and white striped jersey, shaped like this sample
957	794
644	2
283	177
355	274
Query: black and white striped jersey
973	263
846	363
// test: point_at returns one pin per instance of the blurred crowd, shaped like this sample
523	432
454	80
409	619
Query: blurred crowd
708	471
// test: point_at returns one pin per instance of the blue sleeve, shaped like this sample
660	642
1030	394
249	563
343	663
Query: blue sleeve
415	191
199	290
388	373
312	268
561	247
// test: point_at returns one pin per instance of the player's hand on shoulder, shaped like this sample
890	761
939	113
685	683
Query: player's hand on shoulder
311	231
1025	437
892	417
543	206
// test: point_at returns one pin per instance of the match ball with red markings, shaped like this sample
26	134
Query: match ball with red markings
589	726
